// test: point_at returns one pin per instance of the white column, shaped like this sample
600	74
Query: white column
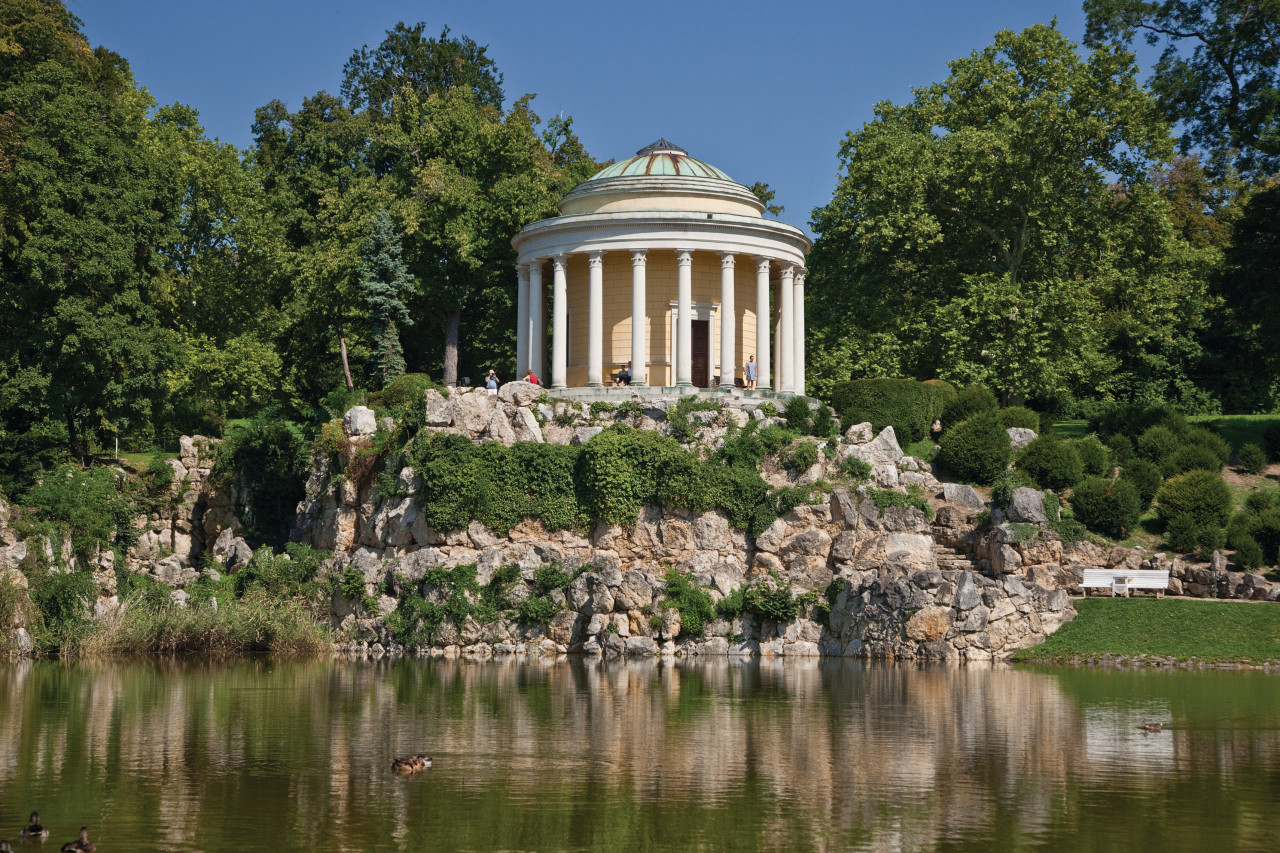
639	346
537	320
764	323
728	358
798	297
595	321
684	317
559	323
522	320
787	354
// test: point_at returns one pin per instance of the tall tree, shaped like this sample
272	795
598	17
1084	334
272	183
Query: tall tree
386	282
967	226
1219	72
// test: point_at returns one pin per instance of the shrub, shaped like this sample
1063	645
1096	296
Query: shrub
693	603
798	414
1121	447
823	423
1265	530
1095	456
1181	533
1111	507
730	607
1190	457
773	602
1002	488
600	408
1157	444
977	449
1253	459
773	438
1019	416
270	457
1053	464
683	428
1271	442
968	401
1202	495
401	398
908	406
768	409
1211	441
91	505
1209	539
1133	419
536	609
855	468
1145	477
913	497
799	457
1249	553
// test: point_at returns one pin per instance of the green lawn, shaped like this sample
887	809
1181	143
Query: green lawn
1070	429
1184	629
1239	429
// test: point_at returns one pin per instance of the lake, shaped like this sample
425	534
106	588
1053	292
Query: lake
654	755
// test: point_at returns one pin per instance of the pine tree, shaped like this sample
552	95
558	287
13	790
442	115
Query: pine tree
385	281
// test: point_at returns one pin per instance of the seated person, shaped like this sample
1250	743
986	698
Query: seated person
624	375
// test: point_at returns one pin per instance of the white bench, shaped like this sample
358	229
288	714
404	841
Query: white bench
1120	581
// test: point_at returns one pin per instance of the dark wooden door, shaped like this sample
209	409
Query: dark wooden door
701	352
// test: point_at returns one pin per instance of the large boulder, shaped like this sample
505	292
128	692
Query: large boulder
470	411
966	496
1027	506
439	412
525	425
499	429
1020	437
359	421
883	450
520	393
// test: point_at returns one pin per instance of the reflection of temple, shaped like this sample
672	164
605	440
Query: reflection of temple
664	262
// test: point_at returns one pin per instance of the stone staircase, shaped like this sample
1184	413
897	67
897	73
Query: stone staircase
949	559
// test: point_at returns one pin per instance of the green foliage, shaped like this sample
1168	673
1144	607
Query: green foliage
92	505
1158	444
600	408
683	427
910	407
799	457
1095	457
691	601
732	605
1005	483
1146	477
1189	457
1121	447
913	497
977	449
63	600
1201	495
536	609
551	576
269	456
1252	459
1182	533
768	409
773	438
1052	463
1264	527
1208	439
1111	507
1133	419
385	283
823	423
1271	440
290	574
1248	554
1019	416
798	414
968	401
855	468
772	602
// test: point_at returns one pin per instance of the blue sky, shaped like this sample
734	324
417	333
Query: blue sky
763	90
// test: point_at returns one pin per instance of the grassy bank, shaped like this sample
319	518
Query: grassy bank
1181	629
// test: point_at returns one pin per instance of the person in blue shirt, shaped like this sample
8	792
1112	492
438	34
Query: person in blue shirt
749	372
491	383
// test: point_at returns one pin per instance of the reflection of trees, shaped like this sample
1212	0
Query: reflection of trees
544	755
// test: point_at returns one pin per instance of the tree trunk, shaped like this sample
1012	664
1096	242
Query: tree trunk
452	321
342	347
74	439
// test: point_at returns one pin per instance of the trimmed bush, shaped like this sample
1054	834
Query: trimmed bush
1157	444
1111	507
799	457
823	423
1271	442
1181	532
1211	441
1202	495
798	414
1190	457
1249	554
910	407
1019	416
977	449
1265	529
1133	419
1094	455
1146	478
1053	464
969	401
1253	459
1121	447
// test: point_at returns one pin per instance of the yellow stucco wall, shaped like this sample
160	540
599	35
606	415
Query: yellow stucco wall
660	292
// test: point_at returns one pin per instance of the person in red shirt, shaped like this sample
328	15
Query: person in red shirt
532	378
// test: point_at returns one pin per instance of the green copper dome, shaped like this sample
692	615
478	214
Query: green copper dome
661	158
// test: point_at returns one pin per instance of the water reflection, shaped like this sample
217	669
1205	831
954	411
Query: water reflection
709	755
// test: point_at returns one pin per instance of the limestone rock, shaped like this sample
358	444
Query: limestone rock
520	393
359	421
966	496
929	624
498	428
1027	506
858	433
525	425
439	413
1020	437
883	450
813	542
582	435
470	411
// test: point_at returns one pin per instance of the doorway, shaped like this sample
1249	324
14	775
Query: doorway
700	352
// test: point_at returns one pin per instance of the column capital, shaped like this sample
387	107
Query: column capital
596	258
763	264
684	257
559	260
638	257
788	272
726	260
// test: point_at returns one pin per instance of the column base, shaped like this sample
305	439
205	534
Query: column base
685	385
558	387
595	384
